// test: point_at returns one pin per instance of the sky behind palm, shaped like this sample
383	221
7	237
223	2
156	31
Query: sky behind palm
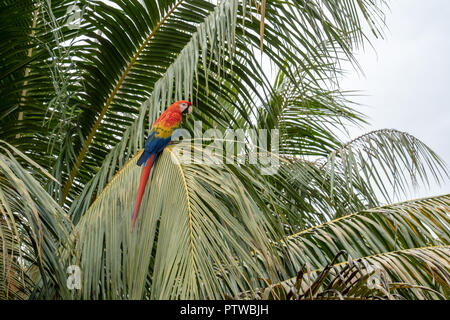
406	79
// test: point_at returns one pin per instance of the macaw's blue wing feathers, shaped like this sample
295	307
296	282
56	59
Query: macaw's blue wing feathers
153	145
143	158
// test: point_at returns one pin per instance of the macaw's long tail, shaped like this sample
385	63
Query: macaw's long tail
142	183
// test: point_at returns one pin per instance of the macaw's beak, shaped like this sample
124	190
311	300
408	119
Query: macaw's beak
188	110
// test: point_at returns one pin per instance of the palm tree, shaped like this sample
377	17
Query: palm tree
78	97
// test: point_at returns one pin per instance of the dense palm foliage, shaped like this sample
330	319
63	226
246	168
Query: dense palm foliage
78	97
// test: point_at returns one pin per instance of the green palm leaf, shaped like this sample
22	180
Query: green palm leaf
418	273
379	234
196	232
34	231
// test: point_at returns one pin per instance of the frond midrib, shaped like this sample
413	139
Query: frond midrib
186	188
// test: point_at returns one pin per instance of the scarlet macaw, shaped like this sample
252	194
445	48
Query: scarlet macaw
157	140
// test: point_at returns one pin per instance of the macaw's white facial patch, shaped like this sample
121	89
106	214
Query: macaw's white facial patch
185	108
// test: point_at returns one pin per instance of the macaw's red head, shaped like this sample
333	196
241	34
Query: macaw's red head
182	106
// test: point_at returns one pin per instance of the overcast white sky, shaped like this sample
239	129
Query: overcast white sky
406	79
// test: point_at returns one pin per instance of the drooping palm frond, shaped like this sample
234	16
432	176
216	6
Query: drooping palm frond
322	199
308	110
34	231
388	161
363	173
36	80
419	273
383	235
206	238
15	283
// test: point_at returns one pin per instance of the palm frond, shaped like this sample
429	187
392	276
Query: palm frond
405	228
200	235
418	273
15	283
385	158
34	232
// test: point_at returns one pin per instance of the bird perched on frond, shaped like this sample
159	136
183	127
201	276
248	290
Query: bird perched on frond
158	138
